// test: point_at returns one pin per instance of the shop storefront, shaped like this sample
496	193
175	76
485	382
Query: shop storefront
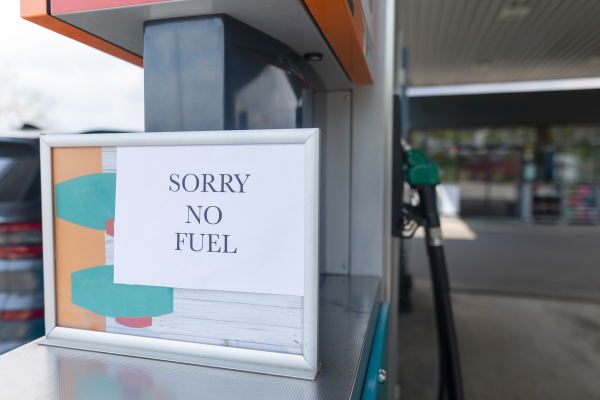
541	174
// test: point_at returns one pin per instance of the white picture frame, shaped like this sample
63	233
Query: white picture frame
304	365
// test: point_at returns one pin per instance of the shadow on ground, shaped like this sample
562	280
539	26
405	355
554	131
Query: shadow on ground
526	301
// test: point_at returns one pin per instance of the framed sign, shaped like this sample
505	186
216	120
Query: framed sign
194	247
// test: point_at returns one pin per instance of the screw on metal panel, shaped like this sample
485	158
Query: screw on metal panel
313	57
382	376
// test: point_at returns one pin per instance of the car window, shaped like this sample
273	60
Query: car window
18	168
5	164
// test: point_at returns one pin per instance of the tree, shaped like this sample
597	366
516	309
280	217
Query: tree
18	105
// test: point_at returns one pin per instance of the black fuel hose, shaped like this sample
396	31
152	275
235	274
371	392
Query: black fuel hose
450	376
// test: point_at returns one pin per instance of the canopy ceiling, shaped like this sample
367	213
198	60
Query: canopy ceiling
483	41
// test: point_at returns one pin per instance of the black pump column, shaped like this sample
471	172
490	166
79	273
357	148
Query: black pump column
217	73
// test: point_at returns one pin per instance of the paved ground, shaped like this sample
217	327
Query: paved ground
527	307
510	256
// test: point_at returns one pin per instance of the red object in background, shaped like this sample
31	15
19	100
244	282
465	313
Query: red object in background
63	6
583	190
22	315
15	252
21	240
20	226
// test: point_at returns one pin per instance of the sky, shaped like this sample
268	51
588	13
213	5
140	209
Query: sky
62	85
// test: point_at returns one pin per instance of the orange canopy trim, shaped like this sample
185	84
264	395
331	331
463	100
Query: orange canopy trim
346	32
63	6
36	11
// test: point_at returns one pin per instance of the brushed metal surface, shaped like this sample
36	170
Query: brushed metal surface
41	372
371	158
333	116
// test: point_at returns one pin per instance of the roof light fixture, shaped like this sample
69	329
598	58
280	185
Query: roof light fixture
514	12
481	66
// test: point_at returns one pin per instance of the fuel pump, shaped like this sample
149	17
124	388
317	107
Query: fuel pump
237	66
422	177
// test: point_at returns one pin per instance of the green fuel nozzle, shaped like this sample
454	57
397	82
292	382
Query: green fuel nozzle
420	171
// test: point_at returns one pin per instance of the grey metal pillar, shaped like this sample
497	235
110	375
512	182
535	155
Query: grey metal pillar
217	73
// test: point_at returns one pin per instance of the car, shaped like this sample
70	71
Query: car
21	266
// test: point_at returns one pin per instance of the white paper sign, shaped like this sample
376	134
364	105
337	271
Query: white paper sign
219	217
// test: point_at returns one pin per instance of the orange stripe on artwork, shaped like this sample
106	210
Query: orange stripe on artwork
36	11
76	247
